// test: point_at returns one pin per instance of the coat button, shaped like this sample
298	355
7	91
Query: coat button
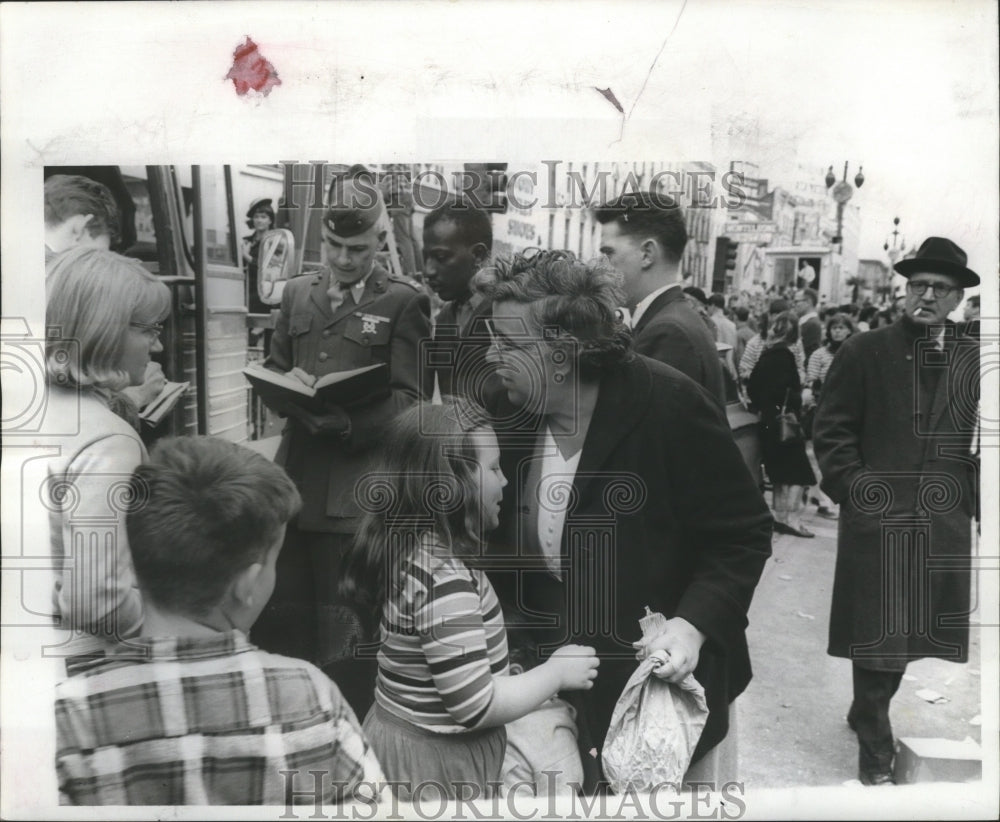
327	332
323	356
909	356
366	341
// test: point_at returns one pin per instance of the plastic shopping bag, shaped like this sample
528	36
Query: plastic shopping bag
654	729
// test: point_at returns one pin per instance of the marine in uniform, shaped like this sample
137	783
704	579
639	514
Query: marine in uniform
350	314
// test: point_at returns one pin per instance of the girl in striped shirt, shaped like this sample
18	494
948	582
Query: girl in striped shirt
443	694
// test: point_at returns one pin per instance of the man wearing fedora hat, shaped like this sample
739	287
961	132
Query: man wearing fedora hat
893	435
352	313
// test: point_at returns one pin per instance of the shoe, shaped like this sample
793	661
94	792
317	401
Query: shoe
851	723
876	778
785	528
826	513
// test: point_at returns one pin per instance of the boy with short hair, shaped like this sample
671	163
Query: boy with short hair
192	712
78	211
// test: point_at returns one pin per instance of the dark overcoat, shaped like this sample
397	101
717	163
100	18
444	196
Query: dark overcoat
671	331
663	512
389	324
893	435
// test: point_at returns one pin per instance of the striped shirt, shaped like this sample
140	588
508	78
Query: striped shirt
819	363
443	641
205	721
753	350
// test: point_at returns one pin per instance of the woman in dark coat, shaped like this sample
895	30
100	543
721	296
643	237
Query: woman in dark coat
774	383
260	217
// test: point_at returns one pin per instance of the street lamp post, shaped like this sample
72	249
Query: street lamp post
842	192
894	251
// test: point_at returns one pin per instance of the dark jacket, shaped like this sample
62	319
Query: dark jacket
774	384
811	332
671	331
458	354
893	434
663	513
388	325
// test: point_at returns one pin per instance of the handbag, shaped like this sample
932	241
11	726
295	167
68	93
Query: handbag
789	427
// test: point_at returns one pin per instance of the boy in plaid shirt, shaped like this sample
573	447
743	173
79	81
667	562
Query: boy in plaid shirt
191	713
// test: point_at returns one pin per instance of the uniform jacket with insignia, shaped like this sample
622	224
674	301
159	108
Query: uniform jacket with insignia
390	324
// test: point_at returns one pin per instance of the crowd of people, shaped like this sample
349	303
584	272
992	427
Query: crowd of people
353	608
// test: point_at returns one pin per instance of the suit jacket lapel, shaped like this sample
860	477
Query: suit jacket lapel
671	295
622	400
946	386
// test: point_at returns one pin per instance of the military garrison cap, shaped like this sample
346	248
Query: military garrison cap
354	203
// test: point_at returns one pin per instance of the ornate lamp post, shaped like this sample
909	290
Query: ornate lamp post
842	192
894	251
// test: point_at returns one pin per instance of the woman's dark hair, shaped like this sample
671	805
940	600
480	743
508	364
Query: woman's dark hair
425	482
867	313
785	327
568	295
261	209
840	319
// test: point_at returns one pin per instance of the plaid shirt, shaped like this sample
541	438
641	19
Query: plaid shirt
205	720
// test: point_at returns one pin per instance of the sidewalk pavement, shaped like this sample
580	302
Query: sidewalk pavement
791	718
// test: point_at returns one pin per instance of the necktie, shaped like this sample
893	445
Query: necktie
338	294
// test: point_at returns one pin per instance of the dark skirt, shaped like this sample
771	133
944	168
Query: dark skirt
432	765
785	463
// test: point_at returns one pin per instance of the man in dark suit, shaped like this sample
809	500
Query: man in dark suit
643	236
810	326
351	314
894	436
627	490
458	240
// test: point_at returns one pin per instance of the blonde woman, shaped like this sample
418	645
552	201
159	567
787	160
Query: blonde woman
103	316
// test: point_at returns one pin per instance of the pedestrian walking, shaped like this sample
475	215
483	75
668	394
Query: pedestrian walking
894	435
774	389
838	328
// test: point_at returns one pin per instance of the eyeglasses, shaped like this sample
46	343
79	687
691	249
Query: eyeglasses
154	329
940	290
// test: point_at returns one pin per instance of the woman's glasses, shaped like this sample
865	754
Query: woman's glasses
153	329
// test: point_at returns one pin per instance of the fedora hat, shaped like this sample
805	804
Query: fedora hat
939	256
